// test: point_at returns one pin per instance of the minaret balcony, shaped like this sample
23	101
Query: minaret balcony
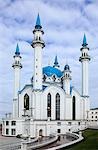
84	47
84	58
17	65
38	42
38	30
67	78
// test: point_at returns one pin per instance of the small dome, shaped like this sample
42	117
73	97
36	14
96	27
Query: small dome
49	71
66	67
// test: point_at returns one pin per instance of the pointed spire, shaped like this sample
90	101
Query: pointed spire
56	60
17	50
56	64
38	22
84	41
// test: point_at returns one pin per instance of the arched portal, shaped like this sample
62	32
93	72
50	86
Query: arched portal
40	132
57	106
73	108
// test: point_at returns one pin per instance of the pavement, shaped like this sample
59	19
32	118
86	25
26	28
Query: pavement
6	142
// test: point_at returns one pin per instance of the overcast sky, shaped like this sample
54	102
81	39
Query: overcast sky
64	23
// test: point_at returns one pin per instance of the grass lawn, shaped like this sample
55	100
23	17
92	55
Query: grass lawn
90	141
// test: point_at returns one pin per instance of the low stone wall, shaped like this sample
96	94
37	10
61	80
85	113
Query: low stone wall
34	145
26	146
93	127
77	137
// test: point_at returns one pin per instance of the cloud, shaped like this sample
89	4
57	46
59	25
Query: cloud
64	23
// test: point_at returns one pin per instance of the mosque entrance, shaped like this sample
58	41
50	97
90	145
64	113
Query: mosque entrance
40	132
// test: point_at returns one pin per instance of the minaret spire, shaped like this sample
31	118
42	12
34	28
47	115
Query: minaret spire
17	50
56	64
38	44
38	22
17	67
84	59
84	41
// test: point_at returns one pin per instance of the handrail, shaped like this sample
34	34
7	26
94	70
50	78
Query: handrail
80	138
38	144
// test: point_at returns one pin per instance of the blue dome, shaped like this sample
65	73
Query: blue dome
66	67
49	71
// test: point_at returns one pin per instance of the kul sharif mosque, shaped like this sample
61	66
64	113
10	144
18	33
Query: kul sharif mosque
49	105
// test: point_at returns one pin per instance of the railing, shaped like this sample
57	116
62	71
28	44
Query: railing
38	144
77	138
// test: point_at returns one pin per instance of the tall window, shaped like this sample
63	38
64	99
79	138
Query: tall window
49	105
13	123
13	131
26	102
7	123
73	108
7	131
57	106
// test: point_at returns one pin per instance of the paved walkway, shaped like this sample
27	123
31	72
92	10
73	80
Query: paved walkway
8	140
5	142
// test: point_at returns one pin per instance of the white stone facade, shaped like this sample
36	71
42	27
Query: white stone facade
49	105
93	117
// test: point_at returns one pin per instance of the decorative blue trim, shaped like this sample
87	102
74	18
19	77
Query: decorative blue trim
49	71
85	96
44	87
71	87
27	85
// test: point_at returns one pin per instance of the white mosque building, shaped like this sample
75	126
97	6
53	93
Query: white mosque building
49	105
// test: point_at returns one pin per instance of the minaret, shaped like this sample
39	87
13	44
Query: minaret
17	66
66	79
84	59
38	44
56	64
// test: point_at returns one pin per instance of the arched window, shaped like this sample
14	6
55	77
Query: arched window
49	105
73	108
26	102
36	37
39	38
57	106
40	132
